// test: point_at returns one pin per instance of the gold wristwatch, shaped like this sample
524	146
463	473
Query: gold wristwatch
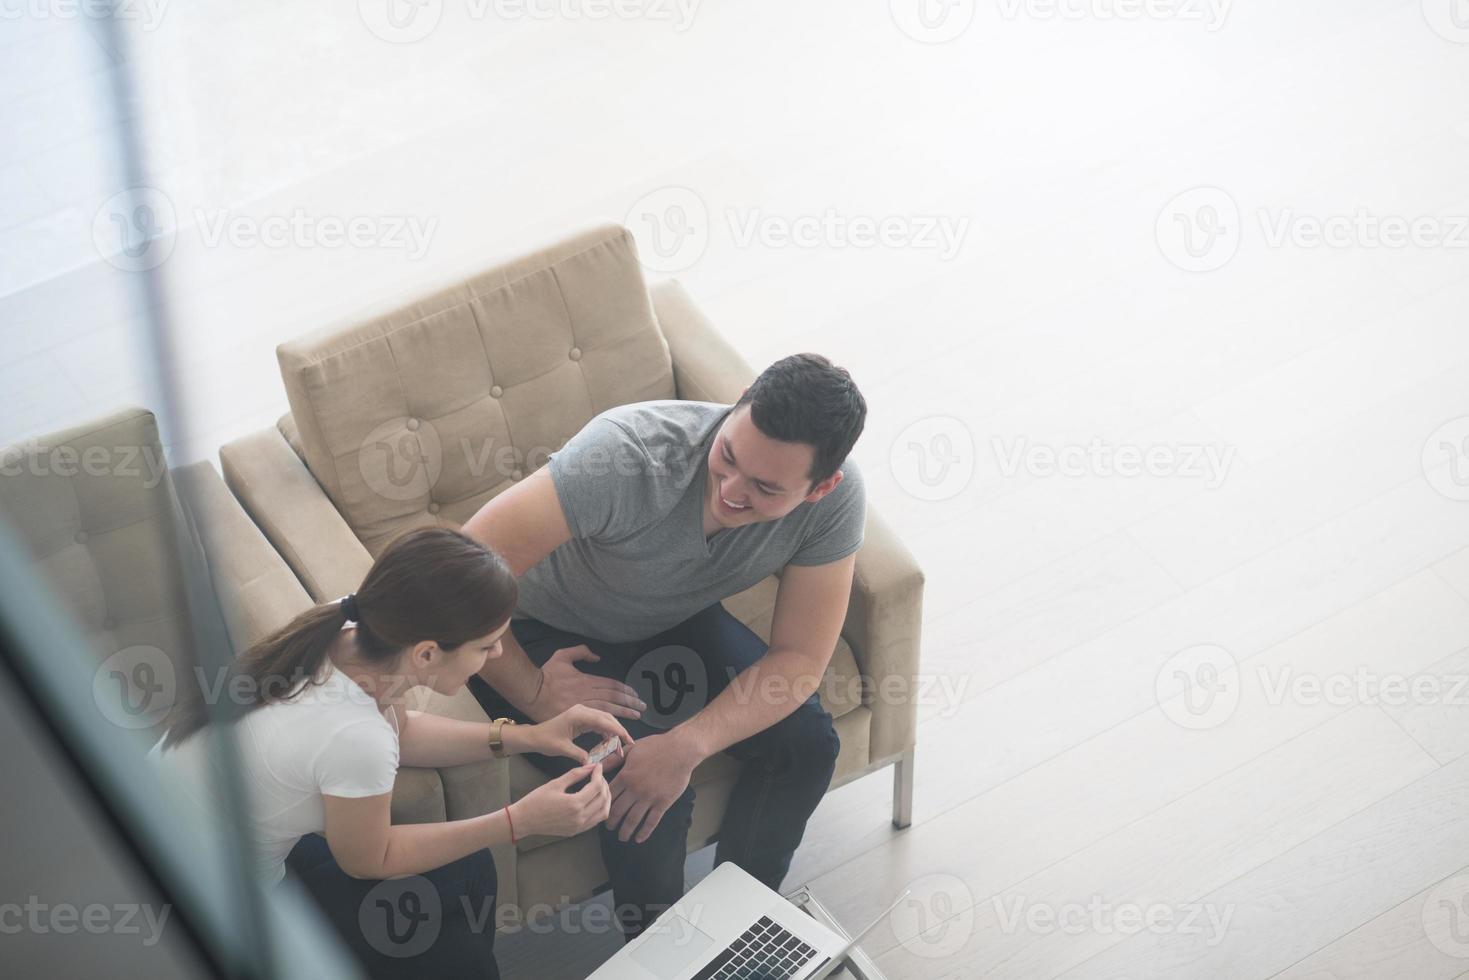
497	742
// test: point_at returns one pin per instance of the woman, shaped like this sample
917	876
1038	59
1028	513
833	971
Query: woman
320	731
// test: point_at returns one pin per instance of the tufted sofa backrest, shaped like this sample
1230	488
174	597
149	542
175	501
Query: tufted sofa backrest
419	415
96	508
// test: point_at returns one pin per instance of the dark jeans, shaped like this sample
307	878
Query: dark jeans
787	767
439	924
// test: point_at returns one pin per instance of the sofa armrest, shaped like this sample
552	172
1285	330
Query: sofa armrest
418	796
705	367
462	791
473	788
884	626
484	787
257	592
287	503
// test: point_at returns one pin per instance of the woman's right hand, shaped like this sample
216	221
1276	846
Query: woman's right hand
550	811
557	736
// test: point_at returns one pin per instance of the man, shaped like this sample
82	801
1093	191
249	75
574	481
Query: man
625	543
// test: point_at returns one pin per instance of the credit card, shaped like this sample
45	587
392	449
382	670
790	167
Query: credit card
604	750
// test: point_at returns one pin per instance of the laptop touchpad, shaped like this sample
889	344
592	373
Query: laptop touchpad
672	944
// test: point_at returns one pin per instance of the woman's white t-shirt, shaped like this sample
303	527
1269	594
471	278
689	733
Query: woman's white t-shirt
332	739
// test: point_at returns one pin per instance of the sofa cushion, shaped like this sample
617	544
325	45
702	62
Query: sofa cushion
418	796
419	415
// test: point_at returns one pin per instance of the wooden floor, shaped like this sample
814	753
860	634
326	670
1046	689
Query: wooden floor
1206	721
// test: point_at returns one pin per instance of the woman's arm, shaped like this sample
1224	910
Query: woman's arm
367	845
432	740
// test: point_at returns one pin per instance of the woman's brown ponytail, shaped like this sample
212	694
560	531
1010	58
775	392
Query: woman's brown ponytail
429	584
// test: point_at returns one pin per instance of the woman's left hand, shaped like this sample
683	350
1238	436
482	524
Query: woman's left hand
555	737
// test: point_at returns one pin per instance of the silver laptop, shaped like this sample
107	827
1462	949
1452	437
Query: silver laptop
731	926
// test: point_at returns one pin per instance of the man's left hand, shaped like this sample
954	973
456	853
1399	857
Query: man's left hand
655	774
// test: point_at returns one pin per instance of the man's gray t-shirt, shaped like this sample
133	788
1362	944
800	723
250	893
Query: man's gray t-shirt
631	484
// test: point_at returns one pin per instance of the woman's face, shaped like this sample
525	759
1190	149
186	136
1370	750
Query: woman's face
455	667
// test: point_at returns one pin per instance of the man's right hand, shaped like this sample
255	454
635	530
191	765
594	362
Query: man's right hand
564	684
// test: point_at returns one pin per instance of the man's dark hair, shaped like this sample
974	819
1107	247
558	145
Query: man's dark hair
806	398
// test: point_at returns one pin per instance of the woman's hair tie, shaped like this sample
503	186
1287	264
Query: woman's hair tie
349	608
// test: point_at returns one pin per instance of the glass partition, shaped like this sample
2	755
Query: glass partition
109	603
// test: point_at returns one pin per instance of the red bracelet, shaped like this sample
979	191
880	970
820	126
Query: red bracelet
511	823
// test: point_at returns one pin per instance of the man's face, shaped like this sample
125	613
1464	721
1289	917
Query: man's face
754	478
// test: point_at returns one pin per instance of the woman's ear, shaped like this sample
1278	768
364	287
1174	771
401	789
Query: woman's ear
424	653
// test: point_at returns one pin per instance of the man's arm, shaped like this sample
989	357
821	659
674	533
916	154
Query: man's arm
524	524
810	608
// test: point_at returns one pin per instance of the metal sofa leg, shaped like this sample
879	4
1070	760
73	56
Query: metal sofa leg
903	790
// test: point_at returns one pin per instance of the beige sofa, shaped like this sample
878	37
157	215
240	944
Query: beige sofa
120	538
418	414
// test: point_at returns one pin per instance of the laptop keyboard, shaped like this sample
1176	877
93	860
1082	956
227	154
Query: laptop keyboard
764	951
